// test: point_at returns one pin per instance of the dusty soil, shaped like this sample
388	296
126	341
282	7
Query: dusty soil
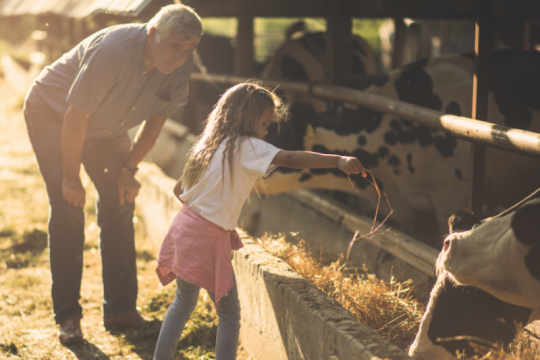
27	328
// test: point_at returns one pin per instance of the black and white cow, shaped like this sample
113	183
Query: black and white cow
425	173
301	58
499	255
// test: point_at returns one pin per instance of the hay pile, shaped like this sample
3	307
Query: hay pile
386	307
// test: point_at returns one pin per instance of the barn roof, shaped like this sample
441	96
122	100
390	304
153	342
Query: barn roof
276	8
72	8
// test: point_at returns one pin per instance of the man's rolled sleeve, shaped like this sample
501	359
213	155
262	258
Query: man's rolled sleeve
94	80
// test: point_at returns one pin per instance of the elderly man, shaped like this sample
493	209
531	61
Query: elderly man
79	110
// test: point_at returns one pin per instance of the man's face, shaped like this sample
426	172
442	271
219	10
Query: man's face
169	53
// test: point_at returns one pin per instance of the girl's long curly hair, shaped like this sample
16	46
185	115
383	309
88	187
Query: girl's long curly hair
234	117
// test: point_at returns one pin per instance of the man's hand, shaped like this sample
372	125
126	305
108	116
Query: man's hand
350	165
73	192
128	187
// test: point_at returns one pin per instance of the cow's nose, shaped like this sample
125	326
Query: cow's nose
446	245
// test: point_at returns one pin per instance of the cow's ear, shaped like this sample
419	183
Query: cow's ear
526	223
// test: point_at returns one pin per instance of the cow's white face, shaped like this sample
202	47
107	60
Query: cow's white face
501	256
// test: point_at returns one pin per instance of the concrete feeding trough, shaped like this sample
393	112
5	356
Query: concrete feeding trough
283	315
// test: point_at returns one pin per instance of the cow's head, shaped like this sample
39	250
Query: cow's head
500	256
455	311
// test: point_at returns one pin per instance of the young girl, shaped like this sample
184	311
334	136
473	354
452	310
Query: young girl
221	171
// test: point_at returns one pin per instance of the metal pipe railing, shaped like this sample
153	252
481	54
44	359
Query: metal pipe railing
502	137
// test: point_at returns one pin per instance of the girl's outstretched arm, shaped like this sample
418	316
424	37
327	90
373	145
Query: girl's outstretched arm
312	160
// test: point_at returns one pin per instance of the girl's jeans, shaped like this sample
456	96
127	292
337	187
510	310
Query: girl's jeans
179	312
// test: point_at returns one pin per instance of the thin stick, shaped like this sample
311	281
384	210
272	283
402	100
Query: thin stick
372	232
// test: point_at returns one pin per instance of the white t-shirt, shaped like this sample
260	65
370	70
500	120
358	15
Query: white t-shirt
214	197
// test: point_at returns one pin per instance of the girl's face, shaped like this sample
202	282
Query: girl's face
263	122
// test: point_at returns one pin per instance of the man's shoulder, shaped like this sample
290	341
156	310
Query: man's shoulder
121	40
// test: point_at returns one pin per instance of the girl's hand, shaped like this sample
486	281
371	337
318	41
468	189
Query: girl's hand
350	165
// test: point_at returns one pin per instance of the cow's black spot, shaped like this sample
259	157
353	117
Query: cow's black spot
305	177
525	223
459	174
390	138
414	86
515	83
532	262
445	145
412	133
406	132
345	121
396	172
367	159
466	310
453	109
382	152
362	140
393	160
290	135
409	164
462	220
292	69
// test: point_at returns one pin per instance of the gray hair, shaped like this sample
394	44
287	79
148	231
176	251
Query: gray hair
178	19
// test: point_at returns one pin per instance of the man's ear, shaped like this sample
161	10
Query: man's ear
152	31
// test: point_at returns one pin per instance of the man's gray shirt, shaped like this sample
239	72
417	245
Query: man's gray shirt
105	76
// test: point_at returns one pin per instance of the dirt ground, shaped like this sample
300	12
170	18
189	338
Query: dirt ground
27	328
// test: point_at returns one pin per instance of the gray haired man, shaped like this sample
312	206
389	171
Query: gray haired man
79	110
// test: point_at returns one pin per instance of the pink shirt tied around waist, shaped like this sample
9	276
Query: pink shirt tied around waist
198	252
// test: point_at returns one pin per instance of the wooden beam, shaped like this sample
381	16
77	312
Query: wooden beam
243	65
482	48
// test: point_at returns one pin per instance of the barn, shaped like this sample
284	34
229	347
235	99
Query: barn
339	83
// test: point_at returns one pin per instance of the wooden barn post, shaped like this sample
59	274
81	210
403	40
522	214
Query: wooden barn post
482	48
338	40
400	34
243	62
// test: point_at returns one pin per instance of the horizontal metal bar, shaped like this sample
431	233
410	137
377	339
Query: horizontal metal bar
501	137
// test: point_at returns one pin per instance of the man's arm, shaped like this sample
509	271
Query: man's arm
72	141
128	187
